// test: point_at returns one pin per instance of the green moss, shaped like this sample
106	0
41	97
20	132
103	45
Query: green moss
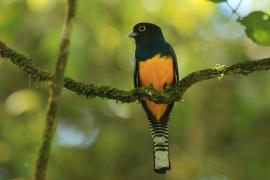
171	94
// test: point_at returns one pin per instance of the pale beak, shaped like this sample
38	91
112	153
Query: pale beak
132	34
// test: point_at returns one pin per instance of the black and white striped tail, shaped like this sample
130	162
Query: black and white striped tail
160	137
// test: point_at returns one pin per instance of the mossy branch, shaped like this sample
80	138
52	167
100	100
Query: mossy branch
171	94
56	87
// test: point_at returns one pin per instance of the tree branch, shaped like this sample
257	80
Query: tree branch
56	87
171	94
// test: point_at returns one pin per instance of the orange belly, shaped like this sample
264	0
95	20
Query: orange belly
157	71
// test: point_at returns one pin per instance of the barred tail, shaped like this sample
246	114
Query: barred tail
160	147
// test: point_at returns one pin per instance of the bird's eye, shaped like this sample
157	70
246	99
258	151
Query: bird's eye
142	28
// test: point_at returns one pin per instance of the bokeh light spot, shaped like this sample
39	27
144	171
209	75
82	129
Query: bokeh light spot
40	5
21	101
152	5
68	135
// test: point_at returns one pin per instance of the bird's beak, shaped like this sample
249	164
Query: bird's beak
132	34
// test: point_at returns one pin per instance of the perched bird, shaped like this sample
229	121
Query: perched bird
156	65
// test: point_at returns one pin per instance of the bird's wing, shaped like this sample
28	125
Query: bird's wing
135	74
175	64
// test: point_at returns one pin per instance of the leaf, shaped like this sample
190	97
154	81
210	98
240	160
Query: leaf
257	26
217	1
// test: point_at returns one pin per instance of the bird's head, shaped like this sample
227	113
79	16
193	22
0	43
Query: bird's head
145	30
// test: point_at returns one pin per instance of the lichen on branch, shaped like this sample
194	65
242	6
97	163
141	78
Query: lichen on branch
171	94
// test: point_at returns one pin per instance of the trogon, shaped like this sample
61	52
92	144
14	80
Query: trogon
155	65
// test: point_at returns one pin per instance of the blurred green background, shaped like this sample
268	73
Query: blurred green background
220	131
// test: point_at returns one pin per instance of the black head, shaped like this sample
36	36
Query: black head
146	30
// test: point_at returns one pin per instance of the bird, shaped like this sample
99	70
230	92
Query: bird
155	65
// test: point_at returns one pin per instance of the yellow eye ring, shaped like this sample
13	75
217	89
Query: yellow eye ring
142	28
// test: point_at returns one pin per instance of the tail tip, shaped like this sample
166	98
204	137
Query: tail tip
162	162
162	170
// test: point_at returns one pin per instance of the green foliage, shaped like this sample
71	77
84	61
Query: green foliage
257	27
219	131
